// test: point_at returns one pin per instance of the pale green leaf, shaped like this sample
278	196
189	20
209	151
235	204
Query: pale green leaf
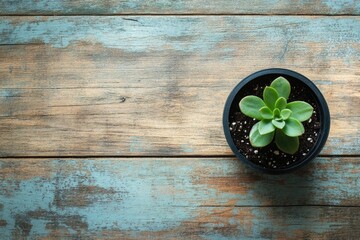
285	114
302	111
250	106
278	124
276	113
293	127
266	127
266	113
285	143
270	96
280	103
258	140
282	86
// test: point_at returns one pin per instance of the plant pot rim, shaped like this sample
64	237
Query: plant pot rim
324	116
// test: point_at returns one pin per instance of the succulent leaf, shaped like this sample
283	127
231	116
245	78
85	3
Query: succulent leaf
270	96
302	111
280	103
266	127
276	113
285	143
250	106
266	113
278	124
282	86
293	127
258	140
285	113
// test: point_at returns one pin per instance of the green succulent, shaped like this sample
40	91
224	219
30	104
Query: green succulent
277	118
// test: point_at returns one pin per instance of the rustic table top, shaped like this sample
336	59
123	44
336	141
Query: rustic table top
111	119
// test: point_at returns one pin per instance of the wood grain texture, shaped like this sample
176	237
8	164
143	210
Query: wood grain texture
156	86
164	198
41	7
141	85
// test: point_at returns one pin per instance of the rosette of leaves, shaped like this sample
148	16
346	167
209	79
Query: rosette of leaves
278	119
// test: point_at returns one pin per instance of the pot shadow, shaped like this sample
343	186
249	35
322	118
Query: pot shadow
295	188
282	199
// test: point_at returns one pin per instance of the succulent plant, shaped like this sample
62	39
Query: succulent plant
277	118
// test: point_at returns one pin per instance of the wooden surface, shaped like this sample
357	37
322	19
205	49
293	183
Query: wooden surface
111	124
192	198
199	7
157	85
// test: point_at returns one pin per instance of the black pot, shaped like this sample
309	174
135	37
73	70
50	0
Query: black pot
267	75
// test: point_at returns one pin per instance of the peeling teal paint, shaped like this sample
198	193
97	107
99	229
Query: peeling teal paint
24	197
222	237
113	32
136	144
19	5
137	201
340	5
119	211
180	7
348	145
189	34
38	227
40	6
8	93
186	148
322	82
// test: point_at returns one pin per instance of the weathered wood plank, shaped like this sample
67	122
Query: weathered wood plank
218	223
176	197
157	85
35	7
